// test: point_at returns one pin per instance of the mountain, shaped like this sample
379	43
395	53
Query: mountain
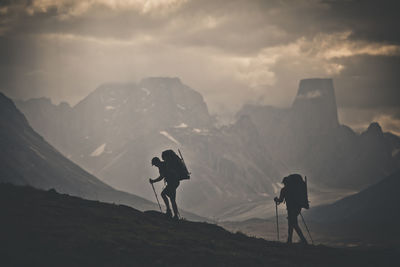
394	143
44	228
27	159
236	169
308	137
116	130
371	214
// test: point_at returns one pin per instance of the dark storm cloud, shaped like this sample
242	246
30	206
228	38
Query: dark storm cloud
240	26
369	81
99	21
247	50
369	20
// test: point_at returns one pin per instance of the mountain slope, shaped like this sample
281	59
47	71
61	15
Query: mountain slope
371	214
27	159
42	228
377	204
116	130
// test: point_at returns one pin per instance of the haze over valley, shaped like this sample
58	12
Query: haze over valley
237	169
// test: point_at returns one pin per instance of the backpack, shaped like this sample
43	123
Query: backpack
297	190
176	164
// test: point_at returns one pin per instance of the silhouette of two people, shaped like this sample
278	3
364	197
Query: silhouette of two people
289	193
172	180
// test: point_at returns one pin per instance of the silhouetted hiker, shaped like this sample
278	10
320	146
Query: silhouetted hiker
295	194
170	177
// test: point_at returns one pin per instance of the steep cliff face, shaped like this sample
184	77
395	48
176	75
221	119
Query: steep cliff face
315	104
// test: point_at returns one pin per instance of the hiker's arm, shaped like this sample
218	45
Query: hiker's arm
157	179
281	196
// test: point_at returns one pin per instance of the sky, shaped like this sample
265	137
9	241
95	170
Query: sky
233	52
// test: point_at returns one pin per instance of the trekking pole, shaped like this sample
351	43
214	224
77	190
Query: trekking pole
277	224
156	196
308	231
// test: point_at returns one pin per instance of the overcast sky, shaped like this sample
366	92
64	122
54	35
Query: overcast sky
232	51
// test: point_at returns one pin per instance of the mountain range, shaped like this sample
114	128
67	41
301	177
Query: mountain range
27	159
236	169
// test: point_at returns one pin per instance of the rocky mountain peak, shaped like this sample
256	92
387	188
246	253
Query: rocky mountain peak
316	102
374	129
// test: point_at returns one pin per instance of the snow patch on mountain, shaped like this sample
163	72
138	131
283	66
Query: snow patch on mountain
145	90
98	151
110	107
311	94
166	134
182	125
181	107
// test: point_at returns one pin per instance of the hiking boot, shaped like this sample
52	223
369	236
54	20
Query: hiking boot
304	242
168	213
176	217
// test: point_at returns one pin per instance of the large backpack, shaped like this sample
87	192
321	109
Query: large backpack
297	189
175	164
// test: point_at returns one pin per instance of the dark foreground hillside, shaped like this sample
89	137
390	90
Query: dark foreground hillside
44	228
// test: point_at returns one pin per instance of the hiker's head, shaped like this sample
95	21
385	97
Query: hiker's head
155	161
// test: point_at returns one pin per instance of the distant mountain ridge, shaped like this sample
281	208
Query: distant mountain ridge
373	205
27	159
308	137
236	169
370	215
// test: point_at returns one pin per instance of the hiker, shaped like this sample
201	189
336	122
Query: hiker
170	177
294	193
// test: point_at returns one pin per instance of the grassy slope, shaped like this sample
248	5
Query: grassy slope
44	228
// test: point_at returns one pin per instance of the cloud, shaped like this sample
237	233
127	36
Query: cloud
72	8
232	51
368	81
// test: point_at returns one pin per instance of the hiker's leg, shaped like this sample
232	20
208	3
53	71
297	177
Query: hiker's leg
164	197
174	206
172	196
290	226
298	230
300	233
290	234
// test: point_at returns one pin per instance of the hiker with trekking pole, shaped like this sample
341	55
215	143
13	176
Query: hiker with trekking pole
294	193
172	170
